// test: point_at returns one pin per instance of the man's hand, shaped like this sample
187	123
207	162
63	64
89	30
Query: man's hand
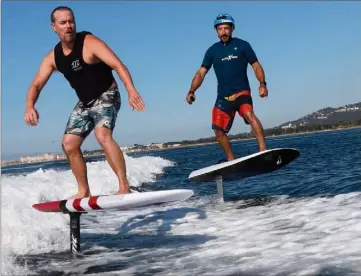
31	116
263	91
136	101
191	97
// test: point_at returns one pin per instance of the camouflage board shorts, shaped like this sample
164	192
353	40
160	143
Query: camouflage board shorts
101	112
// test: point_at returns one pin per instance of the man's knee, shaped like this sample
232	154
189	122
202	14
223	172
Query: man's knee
71	143
219	133
103	135
249	117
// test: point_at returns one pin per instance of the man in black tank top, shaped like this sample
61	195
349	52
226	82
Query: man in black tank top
87	63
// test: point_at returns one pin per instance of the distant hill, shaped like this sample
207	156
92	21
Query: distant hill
323	119
327	116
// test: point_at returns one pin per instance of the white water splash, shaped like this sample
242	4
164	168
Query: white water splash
27	231
286	237
303	237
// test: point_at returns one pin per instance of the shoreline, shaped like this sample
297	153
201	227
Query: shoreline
249	139
18	162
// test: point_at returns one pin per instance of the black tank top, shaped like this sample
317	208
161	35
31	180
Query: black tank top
88	80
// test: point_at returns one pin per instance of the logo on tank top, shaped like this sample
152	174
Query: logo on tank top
76	65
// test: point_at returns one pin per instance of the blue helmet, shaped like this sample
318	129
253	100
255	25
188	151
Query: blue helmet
224	18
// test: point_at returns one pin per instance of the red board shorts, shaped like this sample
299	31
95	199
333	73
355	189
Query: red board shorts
225	109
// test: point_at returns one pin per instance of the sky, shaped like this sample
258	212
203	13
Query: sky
309	51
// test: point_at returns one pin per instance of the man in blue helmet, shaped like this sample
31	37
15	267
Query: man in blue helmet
230	58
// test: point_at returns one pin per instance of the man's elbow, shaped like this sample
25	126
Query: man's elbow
36	86
119	67
256	65
202	72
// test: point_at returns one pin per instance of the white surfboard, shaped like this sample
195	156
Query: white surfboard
119	202
76	207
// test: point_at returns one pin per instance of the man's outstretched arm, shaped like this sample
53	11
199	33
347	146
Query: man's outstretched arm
259	72
41	78
46	69
198	79
101	50
196	83
260	75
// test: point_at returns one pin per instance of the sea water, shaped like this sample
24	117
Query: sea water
304	219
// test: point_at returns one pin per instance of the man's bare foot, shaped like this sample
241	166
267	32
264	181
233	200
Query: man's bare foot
81	195
124	187
123	191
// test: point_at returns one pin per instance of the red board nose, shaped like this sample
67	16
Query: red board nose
53	206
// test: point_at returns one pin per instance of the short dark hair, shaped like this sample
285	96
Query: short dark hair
59	8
